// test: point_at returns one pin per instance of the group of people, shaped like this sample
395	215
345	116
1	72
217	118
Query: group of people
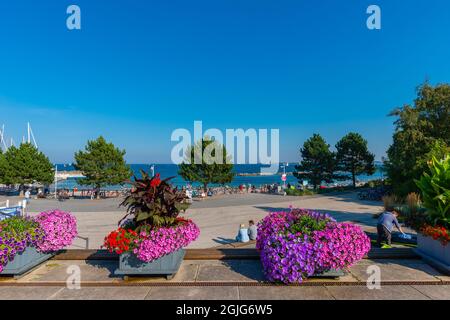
245	234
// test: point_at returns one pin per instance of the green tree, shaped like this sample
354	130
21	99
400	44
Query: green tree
25	165
317	163
213	164
102	164
421	130
353	156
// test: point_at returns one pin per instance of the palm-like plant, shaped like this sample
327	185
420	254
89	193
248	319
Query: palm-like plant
154	202
435	188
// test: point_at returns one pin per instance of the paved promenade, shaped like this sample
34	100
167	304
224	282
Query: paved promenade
218	218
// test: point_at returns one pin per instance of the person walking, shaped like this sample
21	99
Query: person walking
27	196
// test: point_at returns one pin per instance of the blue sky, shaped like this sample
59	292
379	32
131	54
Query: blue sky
139	69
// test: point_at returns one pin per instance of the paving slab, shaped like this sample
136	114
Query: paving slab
438	292
103	293
235	270
284	293
384	293
57	270
397	270
193	293
28	293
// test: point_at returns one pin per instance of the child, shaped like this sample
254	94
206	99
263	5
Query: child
242	235
385	224
252	230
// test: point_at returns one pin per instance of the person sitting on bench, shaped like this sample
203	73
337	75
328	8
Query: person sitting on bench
242	235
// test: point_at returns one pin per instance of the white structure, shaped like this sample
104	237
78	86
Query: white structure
30	138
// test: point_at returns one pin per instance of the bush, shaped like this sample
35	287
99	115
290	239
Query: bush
435	189
390	202
301	243
297	192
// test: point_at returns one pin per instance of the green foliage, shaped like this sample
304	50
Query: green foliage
19	227
317	163
422	130
213	167
307	224
354	157
102	164
297	192
25	165
435	189
153	202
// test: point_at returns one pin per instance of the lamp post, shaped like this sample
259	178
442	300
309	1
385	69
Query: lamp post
284	174
56	181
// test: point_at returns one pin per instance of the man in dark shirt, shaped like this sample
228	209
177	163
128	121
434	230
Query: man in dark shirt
385	224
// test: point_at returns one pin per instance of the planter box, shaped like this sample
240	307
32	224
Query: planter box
329	274
25	261
167	265
434	252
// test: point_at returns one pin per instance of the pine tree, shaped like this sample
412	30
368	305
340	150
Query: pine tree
25	165
317	163
354	157
102	164
214	166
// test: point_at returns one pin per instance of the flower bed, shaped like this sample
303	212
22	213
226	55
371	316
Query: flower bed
151	237
301	243
47	232
439	233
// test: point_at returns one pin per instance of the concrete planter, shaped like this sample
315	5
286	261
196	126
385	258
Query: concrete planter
167	265
434	252
329	274
25	261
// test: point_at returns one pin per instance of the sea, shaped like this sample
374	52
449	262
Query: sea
245	174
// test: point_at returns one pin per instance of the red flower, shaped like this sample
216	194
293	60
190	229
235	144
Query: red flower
156	181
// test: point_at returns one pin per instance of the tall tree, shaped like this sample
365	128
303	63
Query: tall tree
317	163
212	165
25	165
354	157
421	129
102	164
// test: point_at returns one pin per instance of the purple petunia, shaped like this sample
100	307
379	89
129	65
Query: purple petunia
289	258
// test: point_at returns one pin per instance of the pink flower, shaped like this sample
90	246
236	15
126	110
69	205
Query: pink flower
60	228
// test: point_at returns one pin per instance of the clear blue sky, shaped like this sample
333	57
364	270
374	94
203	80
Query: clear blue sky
139	69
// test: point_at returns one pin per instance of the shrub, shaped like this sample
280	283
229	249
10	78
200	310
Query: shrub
153	201
301	243
435	189
390	202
